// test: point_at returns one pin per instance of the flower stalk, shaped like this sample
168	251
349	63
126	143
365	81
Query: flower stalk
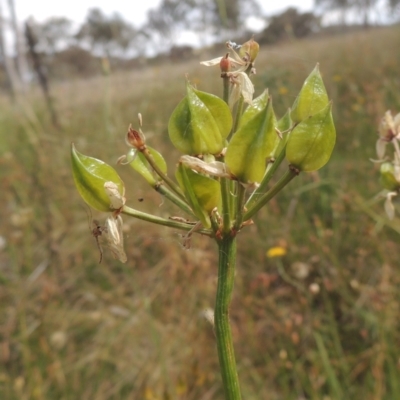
226	354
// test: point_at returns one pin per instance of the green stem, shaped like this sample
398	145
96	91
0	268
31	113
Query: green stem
238	114
160	188
226	209
161	174
226	355
227	86
271	169
162	221
266	197
240	200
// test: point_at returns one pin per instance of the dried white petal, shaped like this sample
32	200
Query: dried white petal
210	63
389	207
242	85
396	119
116	198
114	237
386	126
208	314
380	148
396	167
235	94
236	62
247	87
214	168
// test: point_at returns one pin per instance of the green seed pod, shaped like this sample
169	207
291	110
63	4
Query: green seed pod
387	178
92	178
141	165
200	123
202	192
311	99
253	142
311	142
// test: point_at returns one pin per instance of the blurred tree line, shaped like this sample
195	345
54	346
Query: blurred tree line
64	49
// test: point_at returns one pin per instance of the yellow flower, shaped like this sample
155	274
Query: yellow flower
277	251
283	90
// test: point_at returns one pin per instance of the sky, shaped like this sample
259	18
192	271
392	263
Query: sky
132	11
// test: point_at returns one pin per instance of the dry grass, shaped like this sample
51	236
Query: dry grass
73	329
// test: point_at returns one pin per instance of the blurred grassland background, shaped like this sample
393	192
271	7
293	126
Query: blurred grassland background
321	322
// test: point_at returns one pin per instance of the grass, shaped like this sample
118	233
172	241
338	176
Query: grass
71	328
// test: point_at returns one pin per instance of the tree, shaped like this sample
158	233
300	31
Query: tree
331	5
290	23
106	35
9	67
165	21
364	8
54	34
230	15
210	17
22	66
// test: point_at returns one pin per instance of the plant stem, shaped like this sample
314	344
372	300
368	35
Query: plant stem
238	114
266	197
160	188
162	221
240	200
226	86
226	355
226	209
161	174
271	169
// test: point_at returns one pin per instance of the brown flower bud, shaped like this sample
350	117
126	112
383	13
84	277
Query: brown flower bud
135	139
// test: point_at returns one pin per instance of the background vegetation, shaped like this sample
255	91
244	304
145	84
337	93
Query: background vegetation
320	322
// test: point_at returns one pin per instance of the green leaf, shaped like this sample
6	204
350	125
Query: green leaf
90	175
141	165
387	178
253	142
200	123
202	193
311	99
311	142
